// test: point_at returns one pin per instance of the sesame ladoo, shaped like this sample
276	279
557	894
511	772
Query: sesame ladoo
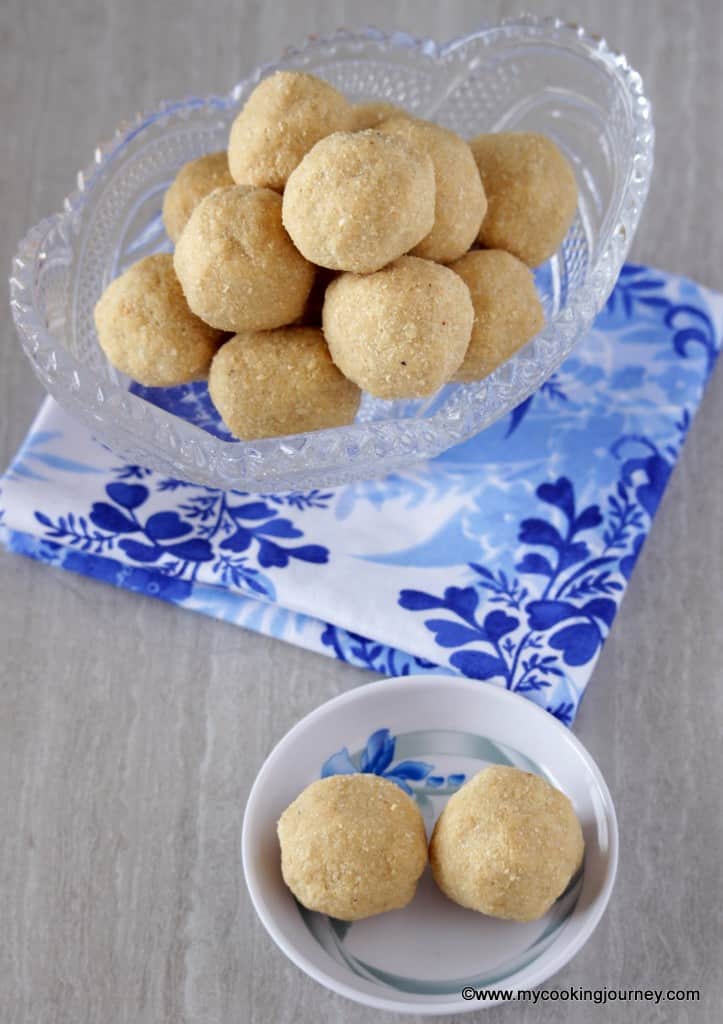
507	844
460	202
194	181
531	194
146	329
237	265
282	119
359	200
271	383
507	309
401	332
352	846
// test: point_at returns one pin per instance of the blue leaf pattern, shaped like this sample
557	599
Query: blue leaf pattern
209	527
166	526
574	612
479	665
578	644
108	517
128	496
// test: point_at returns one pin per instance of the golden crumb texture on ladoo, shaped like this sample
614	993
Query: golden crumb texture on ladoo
371	114
272	383
401	332
352	846
285	115
194	181
146	329
507	844
359	200
507	309
460	202
238	267
531	194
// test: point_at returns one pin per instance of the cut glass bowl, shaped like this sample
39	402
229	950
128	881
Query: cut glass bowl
525	74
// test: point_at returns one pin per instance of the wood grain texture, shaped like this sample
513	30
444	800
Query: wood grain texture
130	731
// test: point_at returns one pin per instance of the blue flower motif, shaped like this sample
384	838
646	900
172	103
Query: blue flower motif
162	531
377	759
211	527
531	642
249	528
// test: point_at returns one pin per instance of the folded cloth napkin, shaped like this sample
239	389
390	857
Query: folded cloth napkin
504	559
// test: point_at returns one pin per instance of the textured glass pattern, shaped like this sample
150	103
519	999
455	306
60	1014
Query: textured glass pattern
524	74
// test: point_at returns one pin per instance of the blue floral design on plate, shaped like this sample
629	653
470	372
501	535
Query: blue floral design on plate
377	758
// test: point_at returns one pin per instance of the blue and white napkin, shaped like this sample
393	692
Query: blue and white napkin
504	559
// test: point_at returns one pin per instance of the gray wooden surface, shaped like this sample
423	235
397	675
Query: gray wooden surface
130	732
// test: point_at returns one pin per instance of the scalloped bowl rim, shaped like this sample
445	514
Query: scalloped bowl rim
576	316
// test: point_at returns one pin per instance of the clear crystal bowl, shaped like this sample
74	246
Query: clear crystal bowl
525	74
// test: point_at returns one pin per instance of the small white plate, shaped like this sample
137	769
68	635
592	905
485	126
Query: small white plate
431	733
